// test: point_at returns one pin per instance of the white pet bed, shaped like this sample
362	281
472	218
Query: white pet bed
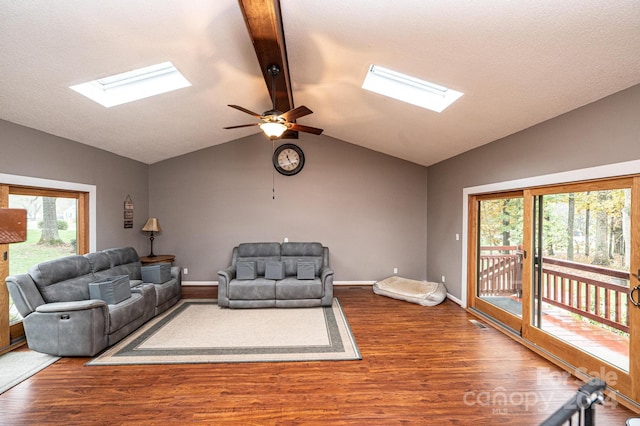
423	293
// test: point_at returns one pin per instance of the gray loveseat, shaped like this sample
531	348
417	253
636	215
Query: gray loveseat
60	317
306	279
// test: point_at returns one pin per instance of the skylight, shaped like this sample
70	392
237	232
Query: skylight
409	89
133	85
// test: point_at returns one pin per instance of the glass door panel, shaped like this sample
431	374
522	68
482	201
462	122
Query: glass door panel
52	232
582	247
499	258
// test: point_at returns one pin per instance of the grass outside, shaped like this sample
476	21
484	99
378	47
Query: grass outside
24	255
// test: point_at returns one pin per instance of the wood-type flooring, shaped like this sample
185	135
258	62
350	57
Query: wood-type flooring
421	365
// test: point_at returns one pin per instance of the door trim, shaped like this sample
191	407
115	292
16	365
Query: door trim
58	184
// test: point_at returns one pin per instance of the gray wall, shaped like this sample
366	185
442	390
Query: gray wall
604	132
367	207
28	152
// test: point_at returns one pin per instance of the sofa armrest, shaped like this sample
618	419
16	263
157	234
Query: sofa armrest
77	328
176	272
78	305
99	307
224	278
326	277
227	274
325	273
25	293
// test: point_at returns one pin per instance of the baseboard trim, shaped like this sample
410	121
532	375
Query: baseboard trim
199	283
454	299
215	283
354	282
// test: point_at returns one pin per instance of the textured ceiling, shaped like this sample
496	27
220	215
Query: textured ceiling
518	63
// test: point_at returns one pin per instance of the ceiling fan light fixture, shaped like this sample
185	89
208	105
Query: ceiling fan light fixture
409	89
273	129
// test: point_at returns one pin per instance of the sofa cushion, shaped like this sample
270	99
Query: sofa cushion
246	270
260	253
126	312
258	289
291	264
63	280
99	262
293	288
166	291
259	250
302	249
292	253
124	261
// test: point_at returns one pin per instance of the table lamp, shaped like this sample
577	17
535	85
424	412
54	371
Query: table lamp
152	226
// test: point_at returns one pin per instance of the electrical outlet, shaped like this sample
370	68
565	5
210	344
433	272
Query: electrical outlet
457	237
185	271
443	279
395	270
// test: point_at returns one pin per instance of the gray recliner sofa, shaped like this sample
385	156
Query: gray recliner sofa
60	318
297	287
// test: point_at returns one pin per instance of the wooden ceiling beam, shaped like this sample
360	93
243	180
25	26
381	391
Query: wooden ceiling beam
264	23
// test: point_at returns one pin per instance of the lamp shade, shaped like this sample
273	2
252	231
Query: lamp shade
273	130
152	225
13	226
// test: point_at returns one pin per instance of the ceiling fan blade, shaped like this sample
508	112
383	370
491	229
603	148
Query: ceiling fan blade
242	125
302	128
295	113
239	108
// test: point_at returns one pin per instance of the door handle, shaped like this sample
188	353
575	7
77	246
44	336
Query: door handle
634	290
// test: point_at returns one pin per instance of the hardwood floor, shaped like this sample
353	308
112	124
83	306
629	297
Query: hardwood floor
423	365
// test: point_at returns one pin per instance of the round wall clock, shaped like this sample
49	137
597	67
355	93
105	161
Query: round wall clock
288	159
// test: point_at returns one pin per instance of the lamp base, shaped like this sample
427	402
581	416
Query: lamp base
151	238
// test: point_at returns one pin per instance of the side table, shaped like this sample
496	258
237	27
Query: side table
159	258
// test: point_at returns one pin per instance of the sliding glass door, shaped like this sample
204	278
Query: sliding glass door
558	265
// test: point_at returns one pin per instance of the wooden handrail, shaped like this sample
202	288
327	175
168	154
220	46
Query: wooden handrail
588	268
596	299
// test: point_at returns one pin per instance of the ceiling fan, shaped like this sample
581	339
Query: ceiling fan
273	122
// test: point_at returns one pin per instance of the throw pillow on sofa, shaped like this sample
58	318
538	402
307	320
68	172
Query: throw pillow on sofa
274	270
306	270
112	290
246	270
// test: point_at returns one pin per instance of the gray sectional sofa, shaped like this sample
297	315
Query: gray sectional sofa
275	275
60	317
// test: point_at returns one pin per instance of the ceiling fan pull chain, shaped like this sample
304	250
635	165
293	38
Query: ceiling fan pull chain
273	173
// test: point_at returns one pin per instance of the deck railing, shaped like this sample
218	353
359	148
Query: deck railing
587	290
569	286
500	272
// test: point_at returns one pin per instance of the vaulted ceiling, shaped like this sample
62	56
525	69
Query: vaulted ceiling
518	63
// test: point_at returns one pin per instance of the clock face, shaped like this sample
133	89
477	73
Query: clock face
288	159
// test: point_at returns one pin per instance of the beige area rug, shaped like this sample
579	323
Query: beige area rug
17	366
198	331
